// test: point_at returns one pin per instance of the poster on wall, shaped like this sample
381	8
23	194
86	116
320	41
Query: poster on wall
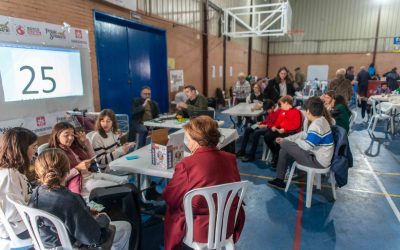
176	79
396	43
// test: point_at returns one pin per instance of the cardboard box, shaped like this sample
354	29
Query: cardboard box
166	153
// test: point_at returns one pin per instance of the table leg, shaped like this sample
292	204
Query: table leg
234	123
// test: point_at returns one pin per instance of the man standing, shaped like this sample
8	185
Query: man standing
341	85
299	79
143	109
392	77
195	102
363	77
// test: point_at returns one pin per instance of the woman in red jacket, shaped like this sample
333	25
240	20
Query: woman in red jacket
207	166
288	123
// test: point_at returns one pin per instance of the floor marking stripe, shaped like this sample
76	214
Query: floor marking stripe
299	216
325	186
383	189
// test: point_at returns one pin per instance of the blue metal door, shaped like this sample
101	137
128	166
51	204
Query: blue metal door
129	56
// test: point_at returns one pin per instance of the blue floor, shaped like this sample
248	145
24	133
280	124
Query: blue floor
362	217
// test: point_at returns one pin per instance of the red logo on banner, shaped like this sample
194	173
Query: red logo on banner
20	30
40	121
78	34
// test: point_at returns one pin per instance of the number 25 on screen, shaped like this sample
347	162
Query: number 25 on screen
44	69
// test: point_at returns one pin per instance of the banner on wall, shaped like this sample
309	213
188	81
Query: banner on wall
40	124
17	30
176	79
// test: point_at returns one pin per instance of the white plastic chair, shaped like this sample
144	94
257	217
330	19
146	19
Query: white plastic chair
311	173
30	215
218	220
42	147
266	153
14	241
353	117
90	135
381	111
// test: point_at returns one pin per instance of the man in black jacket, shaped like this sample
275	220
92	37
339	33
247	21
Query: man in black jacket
143	109
363	77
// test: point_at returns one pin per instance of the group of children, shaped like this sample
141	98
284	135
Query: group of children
64	179
293	135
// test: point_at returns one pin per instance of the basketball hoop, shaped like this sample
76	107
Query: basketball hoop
297	35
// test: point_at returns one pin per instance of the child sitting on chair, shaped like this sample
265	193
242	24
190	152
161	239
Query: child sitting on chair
85	227
259	129
312	147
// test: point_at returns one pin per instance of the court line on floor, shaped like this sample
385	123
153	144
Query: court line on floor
299	219
383	189
325	186
376	172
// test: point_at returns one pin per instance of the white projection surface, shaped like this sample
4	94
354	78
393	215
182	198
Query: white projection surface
34	72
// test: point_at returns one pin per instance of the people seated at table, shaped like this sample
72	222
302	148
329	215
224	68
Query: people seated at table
313	147
288	122
258	130
195	102
180	96
85	227
341	113
143	109
363	77
392	77
383	89
299	79
279	86
341	85
207	166
81	178
17	148
106	140
256	97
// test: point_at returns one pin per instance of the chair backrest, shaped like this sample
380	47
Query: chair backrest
30	217
123	123
353	117
15	240
218	222
90	135
42	147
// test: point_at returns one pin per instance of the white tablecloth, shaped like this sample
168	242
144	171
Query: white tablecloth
170	123
143	164
243	109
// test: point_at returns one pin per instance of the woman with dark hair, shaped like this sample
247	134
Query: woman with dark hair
81	178
17	148
341	112
207	166
83	225
281	85
106	140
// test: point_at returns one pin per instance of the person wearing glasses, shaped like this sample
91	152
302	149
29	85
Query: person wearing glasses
143	109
